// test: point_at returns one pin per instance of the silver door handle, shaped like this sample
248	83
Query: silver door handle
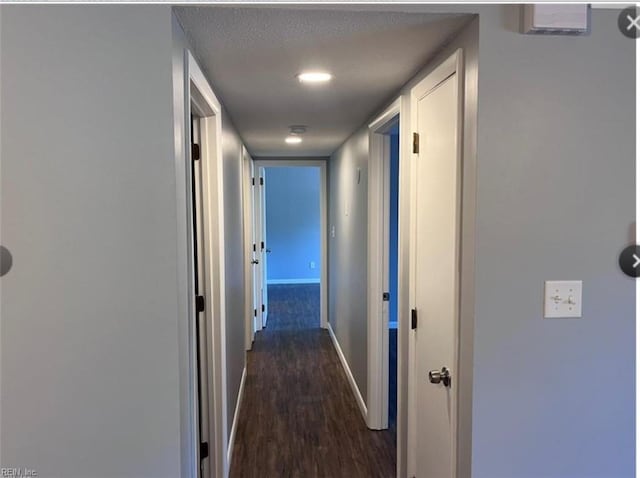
440	376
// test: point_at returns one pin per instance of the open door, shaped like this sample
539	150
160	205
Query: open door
258	260
252	269
264	250
202	359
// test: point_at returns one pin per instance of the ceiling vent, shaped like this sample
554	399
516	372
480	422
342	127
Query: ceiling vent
297	129
556	19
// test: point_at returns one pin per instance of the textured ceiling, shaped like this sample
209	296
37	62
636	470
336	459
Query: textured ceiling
251	56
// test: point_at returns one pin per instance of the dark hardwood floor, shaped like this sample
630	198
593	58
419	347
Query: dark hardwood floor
298	417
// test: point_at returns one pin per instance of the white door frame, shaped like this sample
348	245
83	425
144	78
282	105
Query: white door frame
199	98
322	164
378	270
452	65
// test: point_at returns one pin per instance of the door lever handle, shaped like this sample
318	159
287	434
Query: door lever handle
440	376
255	261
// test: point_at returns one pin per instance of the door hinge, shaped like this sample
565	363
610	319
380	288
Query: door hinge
254	248
414	319
199	303
416	143
195	151
261	181
204	450
253	181
255	312
385	297
262	245
263	308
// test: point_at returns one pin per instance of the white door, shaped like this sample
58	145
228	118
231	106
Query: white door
264	249
251	249
259	241
436	261
199	281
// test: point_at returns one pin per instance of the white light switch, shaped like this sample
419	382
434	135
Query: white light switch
562	299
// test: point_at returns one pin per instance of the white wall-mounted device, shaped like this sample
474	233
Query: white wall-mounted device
556	19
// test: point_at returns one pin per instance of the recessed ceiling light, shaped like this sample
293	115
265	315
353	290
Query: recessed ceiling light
314	77
293	140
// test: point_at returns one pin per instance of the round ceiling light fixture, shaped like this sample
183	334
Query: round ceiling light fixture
293	140
314	77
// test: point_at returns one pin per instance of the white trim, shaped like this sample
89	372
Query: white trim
236	414
324	256
247	212
378	270
454	64
292	281
347	370
197	88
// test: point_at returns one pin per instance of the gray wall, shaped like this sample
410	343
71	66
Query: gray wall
556	190
234	262
89	347
348	252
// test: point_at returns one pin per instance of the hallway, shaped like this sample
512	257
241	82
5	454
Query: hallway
298	417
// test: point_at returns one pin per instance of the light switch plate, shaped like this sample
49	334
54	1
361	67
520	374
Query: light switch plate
562	299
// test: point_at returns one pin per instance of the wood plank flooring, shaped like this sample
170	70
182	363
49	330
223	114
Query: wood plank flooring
298	417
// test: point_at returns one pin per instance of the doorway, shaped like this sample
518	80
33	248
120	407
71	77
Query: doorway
292	260
291	228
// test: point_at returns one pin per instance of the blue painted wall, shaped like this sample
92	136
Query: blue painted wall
393	226
293	222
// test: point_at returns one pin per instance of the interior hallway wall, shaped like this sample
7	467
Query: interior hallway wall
293	224
89	352
234	262
556	200
347	172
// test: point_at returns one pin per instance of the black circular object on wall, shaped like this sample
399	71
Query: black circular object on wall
6	261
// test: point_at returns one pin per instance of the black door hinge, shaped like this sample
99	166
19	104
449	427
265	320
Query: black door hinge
414	319
254	248
263	308
416	143
204	450
261	181
255	312
199	303
262	245
386	296
195	152
253	181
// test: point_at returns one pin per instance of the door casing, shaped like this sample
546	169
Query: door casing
320	163
200	100
378	270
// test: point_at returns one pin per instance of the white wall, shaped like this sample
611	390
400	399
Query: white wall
89	321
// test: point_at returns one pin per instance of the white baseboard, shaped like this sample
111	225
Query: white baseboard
232	435
292	281
352	381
